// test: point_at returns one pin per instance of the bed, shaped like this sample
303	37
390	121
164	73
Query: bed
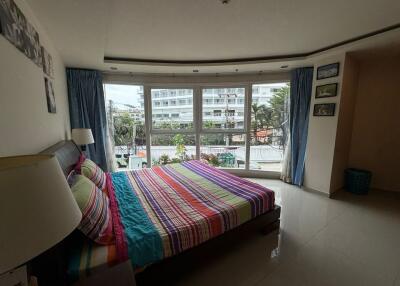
161	212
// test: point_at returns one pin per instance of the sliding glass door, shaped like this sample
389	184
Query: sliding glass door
126	124
172	128
241	127
269	126
223	128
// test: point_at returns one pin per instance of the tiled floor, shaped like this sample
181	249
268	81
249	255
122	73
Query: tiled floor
349	240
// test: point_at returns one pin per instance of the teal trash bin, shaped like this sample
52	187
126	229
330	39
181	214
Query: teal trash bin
357	181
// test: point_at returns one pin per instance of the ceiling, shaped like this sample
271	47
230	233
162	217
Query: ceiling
191	30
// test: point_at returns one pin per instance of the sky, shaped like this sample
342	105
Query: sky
119	93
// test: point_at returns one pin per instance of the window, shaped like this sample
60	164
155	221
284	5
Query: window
168	143
232	100
269	126
237	127
207	101
220	144
126	122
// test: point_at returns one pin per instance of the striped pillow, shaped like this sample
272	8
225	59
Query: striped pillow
90	170
96	220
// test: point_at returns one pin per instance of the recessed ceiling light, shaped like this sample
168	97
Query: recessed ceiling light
284	67
195	70
113	68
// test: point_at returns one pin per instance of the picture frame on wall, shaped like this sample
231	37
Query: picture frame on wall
13	23
48	67
324	109
326	90
32	47
328	71
50	97
17	30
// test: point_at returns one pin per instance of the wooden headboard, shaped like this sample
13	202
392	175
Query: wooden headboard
67	154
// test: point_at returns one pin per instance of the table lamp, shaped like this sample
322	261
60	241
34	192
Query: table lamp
37	209
82	137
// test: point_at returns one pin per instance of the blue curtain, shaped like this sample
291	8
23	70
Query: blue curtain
300	97
87	109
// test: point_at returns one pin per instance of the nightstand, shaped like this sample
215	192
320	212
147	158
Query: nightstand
118	275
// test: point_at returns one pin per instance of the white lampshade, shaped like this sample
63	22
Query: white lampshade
82	136
37	208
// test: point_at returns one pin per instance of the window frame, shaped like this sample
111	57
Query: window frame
197	86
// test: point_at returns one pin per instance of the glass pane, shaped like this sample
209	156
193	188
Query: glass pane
223	108
126	121
269	126
172	148
172	109
223	150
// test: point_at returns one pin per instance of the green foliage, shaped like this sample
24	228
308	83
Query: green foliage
279	104
126	129
273	116
210	159
164	159
179	142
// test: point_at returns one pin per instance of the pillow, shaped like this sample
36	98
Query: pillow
96	220
90	170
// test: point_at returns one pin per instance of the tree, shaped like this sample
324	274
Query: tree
123	130
261	118
279	103
179	142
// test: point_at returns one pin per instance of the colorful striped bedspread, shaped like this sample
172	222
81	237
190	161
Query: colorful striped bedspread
162	211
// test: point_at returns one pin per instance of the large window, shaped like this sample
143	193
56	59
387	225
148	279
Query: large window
233	127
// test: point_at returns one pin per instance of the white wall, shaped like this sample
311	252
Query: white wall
322	133
25	125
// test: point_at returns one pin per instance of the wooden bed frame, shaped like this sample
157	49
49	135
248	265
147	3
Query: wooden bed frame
68	155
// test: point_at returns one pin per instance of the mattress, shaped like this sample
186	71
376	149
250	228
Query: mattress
162	211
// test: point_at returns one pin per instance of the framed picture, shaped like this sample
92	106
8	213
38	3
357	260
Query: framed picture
15	27
32	48
51	100
13	23
328	71
47	63
324	109
326	90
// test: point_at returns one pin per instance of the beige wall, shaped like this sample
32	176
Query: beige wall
25	125
345	123
322	134
375	143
